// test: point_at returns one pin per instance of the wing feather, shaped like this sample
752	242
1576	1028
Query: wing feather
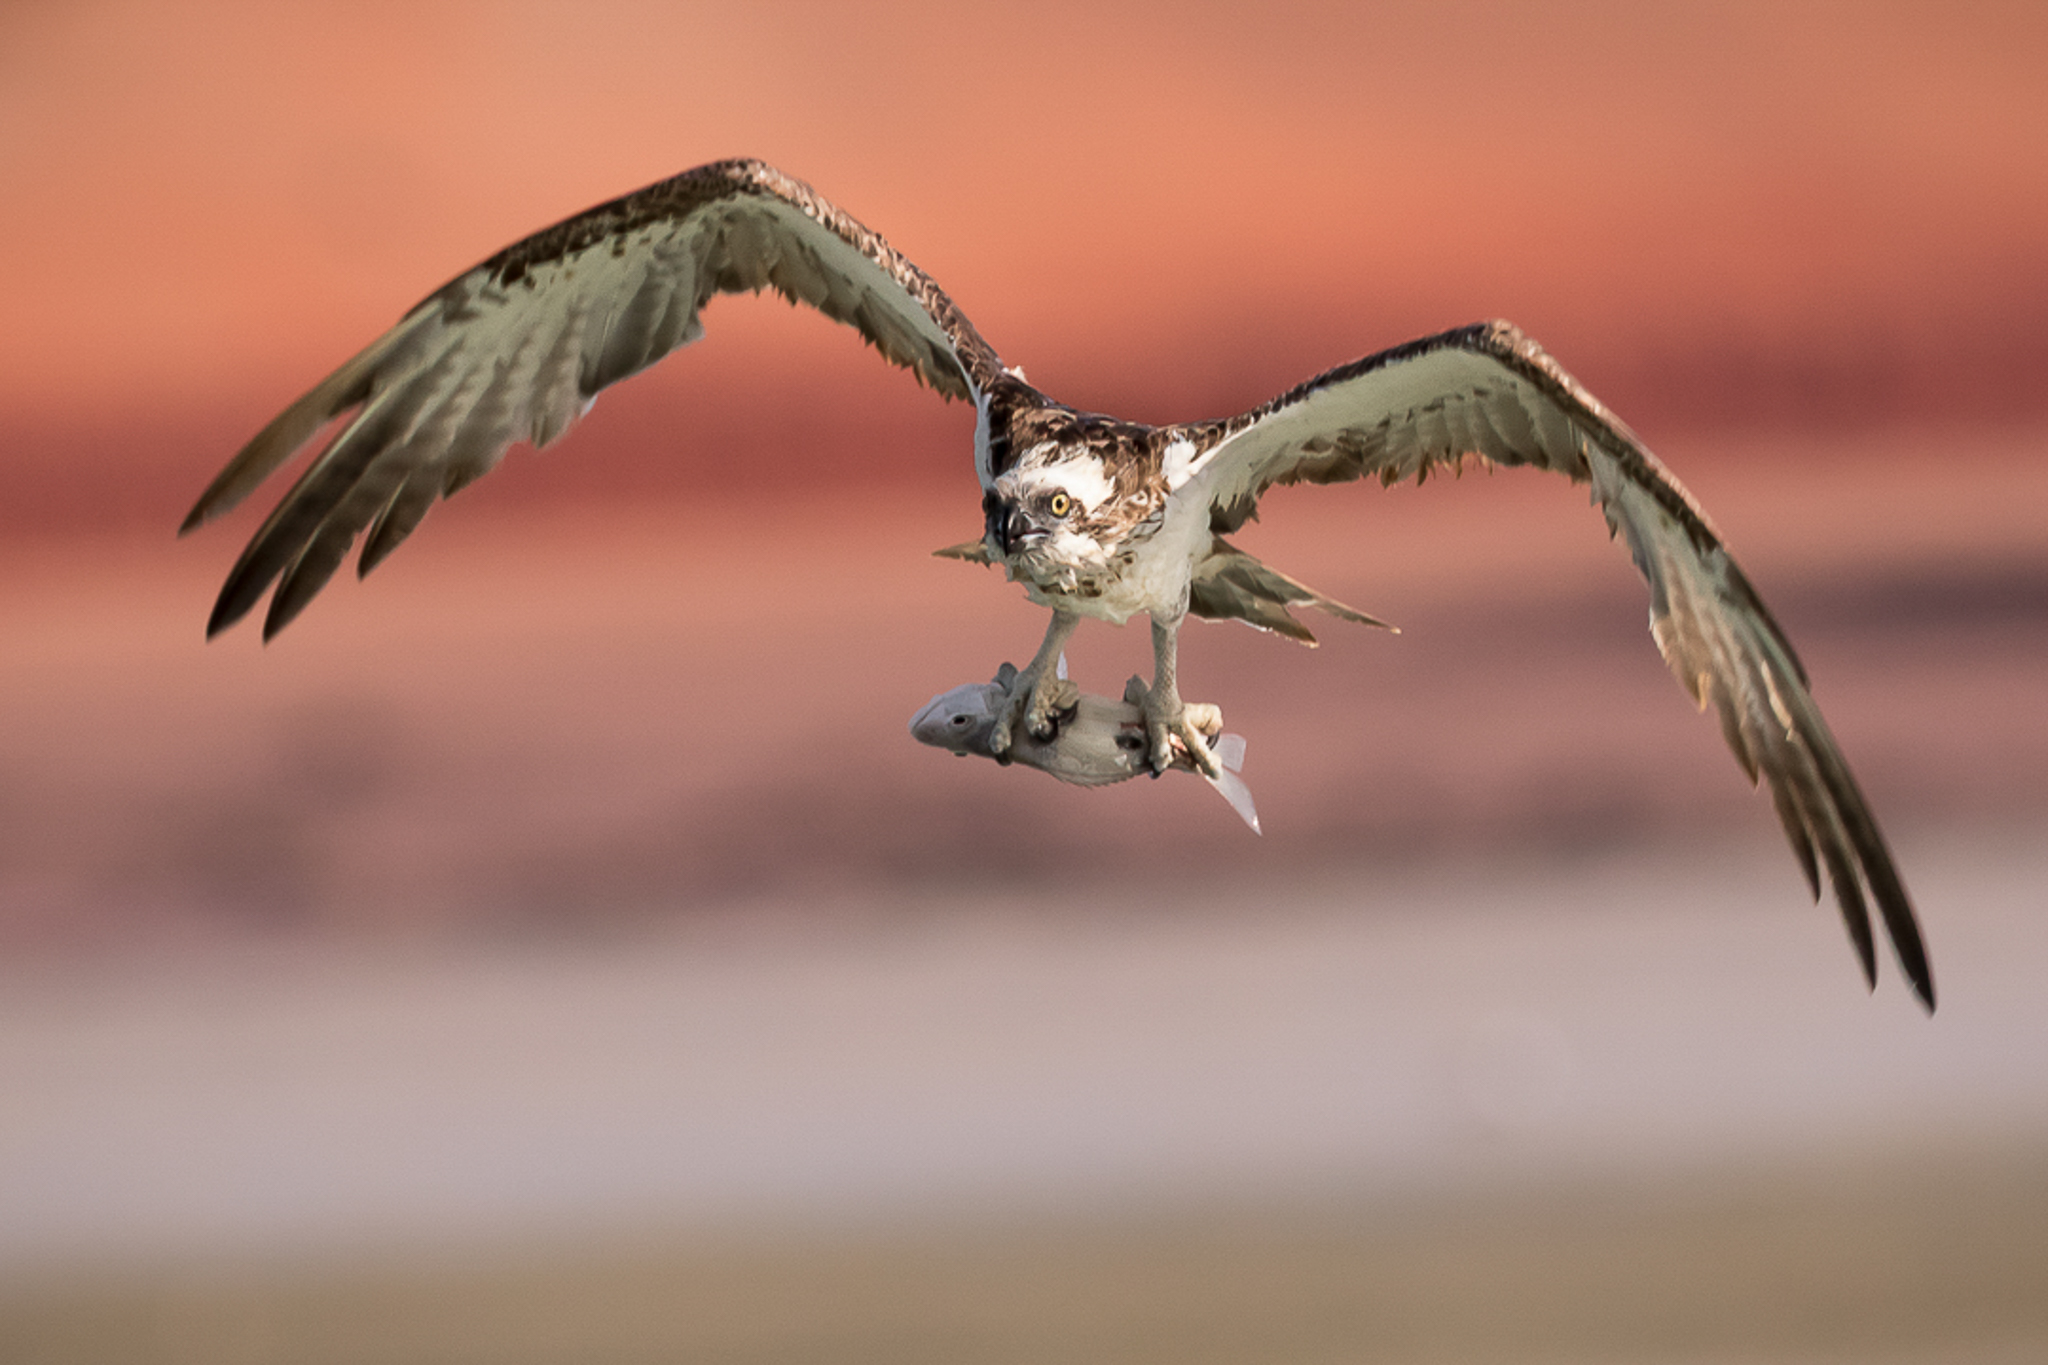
398	517
1490	393
518	347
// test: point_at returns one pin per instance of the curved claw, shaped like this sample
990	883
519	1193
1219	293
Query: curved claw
1039	691
1190	726
1040	701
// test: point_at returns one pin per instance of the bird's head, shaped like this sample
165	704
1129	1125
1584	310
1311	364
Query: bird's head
1054	516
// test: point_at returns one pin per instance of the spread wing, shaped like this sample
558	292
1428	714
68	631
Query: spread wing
518	348
1489	392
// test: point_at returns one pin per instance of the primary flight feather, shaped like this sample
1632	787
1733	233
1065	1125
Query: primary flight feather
1093	515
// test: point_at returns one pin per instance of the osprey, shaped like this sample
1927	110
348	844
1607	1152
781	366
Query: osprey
1095	516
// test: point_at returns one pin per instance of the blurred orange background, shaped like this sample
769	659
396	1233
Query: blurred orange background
1799	248
658	677
1725	215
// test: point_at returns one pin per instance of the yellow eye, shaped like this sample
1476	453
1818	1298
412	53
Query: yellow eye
1060	504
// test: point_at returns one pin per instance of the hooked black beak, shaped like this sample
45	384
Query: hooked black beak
992	522
1006	525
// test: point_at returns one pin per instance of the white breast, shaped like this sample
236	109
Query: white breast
1155	582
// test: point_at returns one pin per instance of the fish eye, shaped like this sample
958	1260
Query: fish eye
1060	504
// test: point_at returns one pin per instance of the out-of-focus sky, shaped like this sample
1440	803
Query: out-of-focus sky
1803	249
1733	213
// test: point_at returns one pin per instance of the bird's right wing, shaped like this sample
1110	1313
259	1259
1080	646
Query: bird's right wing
518	347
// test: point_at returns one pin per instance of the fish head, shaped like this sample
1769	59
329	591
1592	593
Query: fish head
960	720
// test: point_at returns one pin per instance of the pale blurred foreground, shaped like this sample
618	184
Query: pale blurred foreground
1628	1110
556	949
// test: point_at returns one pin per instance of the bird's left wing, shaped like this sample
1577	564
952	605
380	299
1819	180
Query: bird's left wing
518	347
1490	392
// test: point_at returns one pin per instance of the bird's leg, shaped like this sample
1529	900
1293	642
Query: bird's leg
1166	717
1034	695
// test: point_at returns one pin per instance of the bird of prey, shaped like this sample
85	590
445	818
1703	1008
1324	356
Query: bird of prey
1095	516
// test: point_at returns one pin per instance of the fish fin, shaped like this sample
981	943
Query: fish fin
1230	753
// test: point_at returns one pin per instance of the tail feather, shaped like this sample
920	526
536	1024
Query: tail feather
1231	585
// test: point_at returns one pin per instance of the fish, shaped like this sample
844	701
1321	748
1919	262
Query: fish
1099	741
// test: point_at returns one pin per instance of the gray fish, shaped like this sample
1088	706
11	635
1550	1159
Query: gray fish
1099	741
